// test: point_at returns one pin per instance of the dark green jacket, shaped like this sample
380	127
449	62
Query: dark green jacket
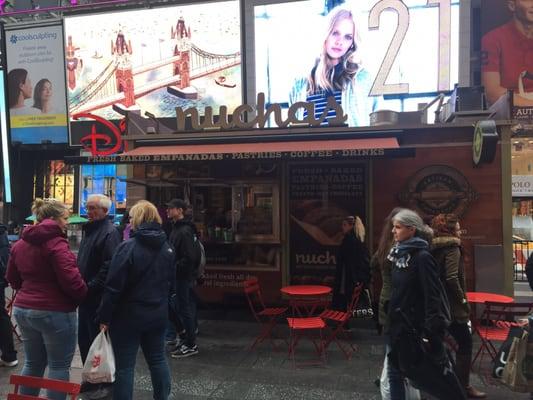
447	253
384	297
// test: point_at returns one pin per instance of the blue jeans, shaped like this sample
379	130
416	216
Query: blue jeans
126	342
49	339
396	380
186	305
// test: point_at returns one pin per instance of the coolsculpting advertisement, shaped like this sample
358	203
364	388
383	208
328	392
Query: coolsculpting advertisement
367	54
36	85
154	60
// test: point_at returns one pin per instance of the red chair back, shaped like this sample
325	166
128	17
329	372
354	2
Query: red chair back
252	291
69	388
356	295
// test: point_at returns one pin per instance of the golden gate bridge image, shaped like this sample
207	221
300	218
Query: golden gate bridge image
115	85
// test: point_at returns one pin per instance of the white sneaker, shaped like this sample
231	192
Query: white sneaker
9	364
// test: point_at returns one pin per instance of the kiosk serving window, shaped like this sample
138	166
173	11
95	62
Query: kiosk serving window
239	223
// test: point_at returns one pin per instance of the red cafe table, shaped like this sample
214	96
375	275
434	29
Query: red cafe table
482	297
305	299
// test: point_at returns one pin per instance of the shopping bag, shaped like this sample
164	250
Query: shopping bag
410	392
517	373
364	306
503	352
99	366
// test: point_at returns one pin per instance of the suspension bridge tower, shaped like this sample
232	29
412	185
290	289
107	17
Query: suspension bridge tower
123	73
182	48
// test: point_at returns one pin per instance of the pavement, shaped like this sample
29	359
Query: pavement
226	369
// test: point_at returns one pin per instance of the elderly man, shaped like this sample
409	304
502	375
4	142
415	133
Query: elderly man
100	239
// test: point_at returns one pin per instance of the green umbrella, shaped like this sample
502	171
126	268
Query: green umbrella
31	218
76	219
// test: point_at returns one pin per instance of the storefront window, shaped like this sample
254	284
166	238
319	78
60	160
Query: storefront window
239	224
56	182
104	179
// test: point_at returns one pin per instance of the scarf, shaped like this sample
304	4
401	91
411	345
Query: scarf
400	253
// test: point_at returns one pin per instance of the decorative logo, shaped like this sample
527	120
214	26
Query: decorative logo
13	39
438	189
97	360
98	143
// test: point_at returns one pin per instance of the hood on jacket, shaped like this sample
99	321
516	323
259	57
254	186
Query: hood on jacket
42	232
185	221
445	241
150	234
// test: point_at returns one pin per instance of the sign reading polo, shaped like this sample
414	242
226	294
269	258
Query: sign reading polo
522	185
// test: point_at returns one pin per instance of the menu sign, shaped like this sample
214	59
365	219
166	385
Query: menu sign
320	198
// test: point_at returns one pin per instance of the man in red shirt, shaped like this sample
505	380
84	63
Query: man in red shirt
507	52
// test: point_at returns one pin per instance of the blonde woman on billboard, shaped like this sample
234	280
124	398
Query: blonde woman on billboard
19	89
338	72
42	96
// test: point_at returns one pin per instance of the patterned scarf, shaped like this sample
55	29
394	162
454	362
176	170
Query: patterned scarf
400	253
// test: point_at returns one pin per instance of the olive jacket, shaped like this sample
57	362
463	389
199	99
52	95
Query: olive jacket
447	253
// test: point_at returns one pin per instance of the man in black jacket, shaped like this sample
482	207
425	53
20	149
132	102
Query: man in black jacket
182	239
9	355
100	239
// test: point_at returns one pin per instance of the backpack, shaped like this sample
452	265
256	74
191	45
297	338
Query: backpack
199	258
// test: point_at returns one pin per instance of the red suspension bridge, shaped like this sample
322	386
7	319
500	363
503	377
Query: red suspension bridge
115	83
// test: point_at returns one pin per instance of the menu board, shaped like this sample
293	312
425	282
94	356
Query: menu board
320	197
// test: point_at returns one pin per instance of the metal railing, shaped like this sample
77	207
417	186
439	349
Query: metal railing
522	249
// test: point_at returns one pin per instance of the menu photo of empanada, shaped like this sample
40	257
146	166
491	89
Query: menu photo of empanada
319	219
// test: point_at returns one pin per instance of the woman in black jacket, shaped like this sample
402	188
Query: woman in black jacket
135	302
353	264
418	311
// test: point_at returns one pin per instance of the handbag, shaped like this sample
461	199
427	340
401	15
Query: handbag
518	371
99	367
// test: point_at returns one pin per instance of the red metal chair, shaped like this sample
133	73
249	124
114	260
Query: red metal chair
9	308
339	319
70	388
265	316
495	323
300	327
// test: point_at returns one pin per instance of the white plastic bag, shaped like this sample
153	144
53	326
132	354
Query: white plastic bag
99	366
410	392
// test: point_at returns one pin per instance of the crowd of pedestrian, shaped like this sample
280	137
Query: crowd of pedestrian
137	282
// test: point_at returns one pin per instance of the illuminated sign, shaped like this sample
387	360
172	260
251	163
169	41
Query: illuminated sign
8	8
241	113
98	143
4	123
371	54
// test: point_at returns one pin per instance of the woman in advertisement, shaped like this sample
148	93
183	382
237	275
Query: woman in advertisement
338	73
19	90
42	96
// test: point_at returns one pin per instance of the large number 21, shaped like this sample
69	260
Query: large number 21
380	87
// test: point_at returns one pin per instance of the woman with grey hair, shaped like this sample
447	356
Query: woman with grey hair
418	310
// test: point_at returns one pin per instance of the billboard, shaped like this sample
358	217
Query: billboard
36	85
154	60
6	169
507	54
368	54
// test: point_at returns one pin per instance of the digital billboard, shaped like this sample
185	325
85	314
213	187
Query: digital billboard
36	85
6	168
154	60
368	54
507	55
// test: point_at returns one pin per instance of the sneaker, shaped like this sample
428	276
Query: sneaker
177	346
9	364
185	351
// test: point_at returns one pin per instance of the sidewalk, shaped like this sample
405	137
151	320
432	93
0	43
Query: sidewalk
225	369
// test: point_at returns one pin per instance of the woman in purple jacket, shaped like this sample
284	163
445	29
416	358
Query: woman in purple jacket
44	272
